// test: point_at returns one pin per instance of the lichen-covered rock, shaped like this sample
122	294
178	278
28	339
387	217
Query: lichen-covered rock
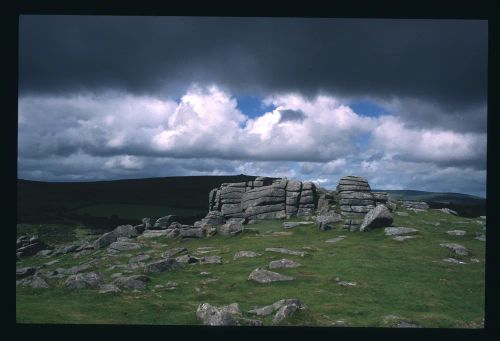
164	222
278	305
174	252
286	251
219	316
456	232
231	228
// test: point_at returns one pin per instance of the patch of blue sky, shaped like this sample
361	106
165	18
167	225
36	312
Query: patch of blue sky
367	108
252	106
363	141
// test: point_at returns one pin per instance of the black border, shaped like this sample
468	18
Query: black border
484	10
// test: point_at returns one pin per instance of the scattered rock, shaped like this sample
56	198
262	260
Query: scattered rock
195	232
108	288
402	214
231	228
82	253
283	263
456	232
241	254
219	316
404	324
286	251
25	272
335	240
139	259
347	284
264	276
34	281
211	260
402	238
284	304
456	248
453	261
44	253
164	222
204	273
136	282
84	280
120	231
116	247
52	262
326	219
158	233
398	231
481	238
174	252
167	264
187	259
379	216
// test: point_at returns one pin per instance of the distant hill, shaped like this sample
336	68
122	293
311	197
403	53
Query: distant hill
108	203
466	205
105	204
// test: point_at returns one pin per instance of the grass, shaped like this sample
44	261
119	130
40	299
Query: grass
406	279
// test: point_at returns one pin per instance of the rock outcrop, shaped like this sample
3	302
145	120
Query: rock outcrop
356	199
379	216
263	198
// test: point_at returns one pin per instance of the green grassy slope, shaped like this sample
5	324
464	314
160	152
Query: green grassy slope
407	280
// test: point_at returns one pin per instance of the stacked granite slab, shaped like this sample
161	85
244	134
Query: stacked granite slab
264	198
356	199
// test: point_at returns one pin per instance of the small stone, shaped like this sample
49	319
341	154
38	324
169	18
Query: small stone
453	261
334	240
292	224
397	231
347	284
286	251
456	232
402	238
211	260
241	254
283	263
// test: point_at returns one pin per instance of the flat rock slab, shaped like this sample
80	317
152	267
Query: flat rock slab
108	288
137	282
456	248
139	259
154	233
264	276
211	260
453	261
123	246
402	238
249	254
286	251
334	240
456	233
398	231
283	263
292	224
402	214
347	284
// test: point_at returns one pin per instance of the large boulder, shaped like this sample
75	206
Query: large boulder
456	248
194	232
127	231
379	216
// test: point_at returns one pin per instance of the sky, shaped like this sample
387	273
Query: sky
402	102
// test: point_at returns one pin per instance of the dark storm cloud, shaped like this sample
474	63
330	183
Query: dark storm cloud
441	61
291	115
